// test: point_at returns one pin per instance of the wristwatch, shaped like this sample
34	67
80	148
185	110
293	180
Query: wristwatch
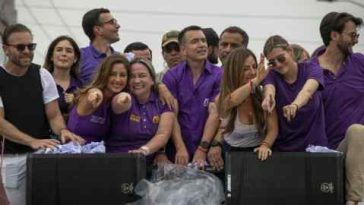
204	145
216	143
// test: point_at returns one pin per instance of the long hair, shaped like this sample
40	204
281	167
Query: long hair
103	73
75	68
233	79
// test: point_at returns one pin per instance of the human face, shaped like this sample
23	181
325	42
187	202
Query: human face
144	54
249	69
109	28
63	55
194	46
228	42
348	38
141	82
280	59
117	79
18	57
171	54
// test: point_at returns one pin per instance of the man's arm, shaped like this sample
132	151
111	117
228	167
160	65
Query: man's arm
10	132
57	124
211	125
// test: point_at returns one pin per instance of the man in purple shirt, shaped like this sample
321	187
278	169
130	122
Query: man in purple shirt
102	30
344	96
194	83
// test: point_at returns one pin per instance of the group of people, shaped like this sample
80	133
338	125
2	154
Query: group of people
194	110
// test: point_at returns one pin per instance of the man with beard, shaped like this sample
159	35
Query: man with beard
343	96
194	82
102	30
230	38
28	109
212	44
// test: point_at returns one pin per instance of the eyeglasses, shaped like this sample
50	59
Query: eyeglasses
111	21
353	35
279	59
171	47
21	47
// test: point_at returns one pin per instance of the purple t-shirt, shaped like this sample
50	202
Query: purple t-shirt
343	97
63	106
134	128
308	127
193	100
93	127
90	60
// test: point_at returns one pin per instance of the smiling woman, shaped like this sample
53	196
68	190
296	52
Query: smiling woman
89	117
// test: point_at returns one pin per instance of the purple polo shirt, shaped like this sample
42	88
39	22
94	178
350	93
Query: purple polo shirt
90	60
308	127
93	127
192	99
63	106
343	97
137	126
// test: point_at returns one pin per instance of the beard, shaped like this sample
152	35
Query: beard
345	49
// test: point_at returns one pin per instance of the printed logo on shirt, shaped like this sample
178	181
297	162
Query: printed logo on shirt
156	119
206	102
97	120
135	118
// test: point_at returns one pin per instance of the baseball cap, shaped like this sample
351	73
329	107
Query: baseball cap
169	37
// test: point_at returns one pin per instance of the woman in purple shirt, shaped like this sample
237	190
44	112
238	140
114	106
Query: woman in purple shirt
146	127
62	61
294	87
90	117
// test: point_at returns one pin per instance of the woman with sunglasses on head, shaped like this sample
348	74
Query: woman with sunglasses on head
244	125
90	117
145	128
295	89
62	61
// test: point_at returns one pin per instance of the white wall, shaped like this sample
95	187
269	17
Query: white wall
147	20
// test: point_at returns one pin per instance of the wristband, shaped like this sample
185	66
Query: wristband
216	143
202	149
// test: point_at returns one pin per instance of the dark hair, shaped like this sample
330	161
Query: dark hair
235	29
137	46
335	21
232	80
211	37
181	35
150	68
15	28
273	42
91	19
49	64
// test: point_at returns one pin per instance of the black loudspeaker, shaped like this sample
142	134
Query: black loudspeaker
83	179
285	178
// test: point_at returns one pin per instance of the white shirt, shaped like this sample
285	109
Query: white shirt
50	92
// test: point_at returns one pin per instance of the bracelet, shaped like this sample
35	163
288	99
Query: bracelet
266	144
145	149
202	149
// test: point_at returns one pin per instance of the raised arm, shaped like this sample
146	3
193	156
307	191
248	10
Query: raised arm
121	102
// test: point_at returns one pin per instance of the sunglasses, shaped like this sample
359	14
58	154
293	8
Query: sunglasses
21	47
279	59
171	47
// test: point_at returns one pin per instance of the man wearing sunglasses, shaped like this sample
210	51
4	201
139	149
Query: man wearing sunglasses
170	51
343	96
103	30
28	108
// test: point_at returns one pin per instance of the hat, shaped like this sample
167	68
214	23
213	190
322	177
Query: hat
169	37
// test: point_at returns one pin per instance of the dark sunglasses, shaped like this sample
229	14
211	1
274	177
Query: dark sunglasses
279	59
171	47
21	47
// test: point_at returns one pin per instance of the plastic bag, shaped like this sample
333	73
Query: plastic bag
179	185
313	148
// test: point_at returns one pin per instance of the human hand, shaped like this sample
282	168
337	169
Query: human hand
268	103
67	135
94	97
263	152
166	97
68	97
289	111
161	159
199	158
182	156
44	143
215	159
